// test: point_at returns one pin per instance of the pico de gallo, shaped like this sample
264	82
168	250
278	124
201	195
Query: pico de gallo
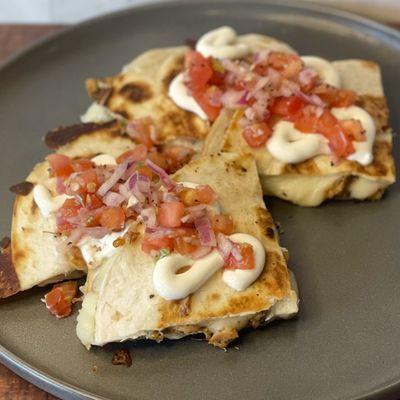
59	300
104	198
269	87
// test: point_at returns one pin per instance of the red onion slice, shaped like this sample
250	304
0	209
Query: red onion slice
206	234
201	252
112	199
115	177
225	245
167	181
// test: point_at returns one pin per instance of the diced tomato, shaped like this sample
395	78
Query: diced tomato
307	123
247	261
139	153
146	171
82	164
287	107
152	242
353	129
203	194
222	224
202	100
60	165
113	218
83	182
177	157
59	299
335	97
170	214
256	135
289	65
340	144
141	131
69	209
185	245
92	202
158	159
199	69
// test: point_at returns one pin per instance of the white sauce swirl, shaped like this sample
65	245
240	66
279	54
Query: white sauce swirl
289	145
326	71
178	92
222	43
172	286
241	279
47	203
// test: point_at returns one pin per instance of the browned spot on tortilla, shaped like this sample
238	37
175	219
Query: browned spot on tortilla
137	92
184	307
215	296
74	256
308	167
9	283
117	316
369	64
123	113
270	232
377	108
176	69
99	90
264	219
122	357
34	208
221	339
63	135
5	243
22	188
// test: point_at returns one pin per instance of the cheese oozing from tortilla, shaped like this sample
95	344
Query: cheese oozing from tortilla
289	145
173	286
326	71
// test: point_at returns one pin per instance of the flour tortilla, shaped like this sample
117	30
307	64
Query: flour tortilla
120	301
36	258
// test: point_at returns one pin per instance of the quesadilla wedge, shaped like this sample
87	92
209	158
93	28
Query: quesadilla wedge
151	290
143	88
38	254
310	182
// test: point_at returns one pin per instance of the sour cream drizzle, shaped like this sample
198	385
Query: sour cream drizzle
289	145
172	286
324	69
222	43
178	92
47	203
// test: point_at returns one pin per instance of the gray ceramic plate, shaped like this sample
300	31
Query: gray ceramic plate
345	342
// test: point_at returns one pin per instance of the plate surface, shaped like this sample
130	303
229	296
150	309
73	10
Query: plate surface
343	345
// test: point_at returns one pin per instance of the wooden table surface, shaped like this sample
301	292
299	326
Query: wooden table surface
14	38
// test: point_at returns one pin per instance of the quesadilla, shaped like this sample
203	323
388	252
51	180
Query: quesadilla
318	130
148	290
38	253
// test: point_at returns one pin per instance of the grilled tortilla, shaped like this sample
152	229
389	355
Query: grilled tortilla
37	253
120	302
141	89
313	181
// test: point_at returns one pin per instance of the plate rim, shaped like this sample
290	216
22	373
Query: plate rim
65	390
